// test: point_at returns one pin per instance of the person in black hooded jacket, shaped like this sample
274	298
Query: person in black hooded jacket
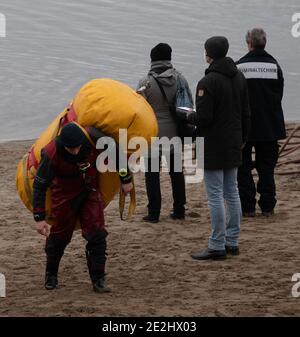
265	85
222	117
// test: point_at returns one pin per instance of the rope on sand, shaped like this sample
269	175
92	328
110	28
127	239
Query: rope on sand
289	152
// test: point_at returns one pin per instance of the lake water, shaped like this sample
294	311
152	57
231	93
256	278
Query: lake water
53	47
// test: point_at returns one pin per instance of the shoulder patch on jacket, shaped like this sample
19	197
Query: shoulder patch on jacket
201	92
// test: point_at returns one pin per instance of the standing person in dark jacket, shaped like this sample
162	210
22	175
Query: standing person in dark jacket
265	86
162	80
68	168
222	117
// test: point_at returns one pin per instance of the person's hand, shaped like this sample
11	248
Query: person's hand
126	188
42	228
243	145
182	114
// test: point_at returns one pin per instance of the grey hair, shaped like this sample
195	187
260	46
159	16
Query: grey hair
257	37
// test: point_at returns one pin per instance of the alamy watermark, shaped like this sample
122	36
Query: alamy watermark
296	286
2	285
2	25
296	27
176	154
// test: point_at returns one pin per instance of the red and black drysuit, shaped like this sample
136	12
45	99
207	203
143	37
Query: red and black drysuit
74	194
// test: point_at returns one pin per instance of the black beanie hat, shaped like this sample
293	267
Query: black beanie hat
161	51
71	136
216	47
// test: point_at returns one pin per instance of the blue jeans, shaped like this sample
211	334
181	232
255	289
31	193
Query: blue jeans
222	189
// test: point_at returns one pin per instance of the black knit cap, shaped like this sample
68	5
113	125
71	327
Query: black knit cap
161	51
71	136
216	47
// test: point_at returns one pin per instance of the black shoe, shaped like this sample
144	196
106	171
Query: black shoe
267	214
249	214
232	250
151	218
209	254
100	286
177	216
51	281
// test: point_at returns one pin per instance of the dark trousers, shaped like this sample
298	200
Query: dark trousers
266	156
154	193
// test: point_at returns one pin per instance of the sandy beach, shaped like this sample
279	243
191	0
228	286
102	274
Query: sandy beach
149	266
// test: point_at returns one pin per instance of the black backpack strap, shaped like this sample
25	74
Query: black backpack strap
161	89
172	107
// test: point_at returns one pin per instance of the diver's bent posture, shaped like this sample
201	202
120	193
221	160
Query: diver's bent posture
68	167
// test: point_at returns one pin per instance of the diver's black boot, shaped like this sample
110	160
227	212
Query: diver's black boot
96	258
51	281
54	250
100	286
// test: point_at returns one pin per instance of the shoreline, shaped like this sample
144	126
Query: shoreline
6	141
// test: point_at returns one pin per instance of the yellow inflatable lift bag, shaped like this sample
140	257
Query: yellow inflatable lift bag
108	105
